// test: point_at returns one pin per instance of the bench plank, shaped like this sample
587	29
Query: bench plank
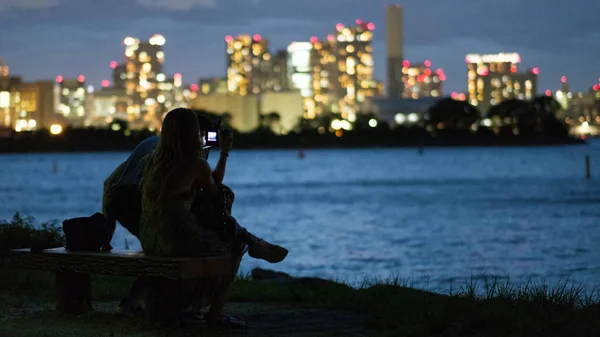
122	262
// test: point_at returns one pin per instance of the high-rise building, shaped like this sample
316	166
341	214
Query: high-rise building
325	75
144	71
354	54
72	94
38	107
301	74
395	50
494	78
278	78
420	80
119	74
248	64
10	96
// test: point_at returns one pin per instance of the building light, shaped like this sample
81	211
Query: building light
157	40
4	99
400	118
413	117
56	129
494	58
129	41
373	123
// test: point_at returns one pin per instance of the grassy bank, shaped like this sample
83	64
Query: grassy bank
388	306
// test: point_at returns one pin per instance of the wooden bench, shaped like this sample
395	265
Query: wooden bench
73	281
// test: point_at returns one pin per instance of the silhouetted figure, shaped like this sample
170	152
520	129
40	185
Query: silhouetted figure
122	201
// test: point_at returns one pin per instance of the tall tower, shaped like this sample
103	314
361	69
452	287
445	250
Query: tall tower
395	50
144	70
248	62
354	54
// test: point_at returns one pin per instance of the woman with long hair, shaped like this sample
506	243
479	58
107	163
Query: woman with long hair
175	171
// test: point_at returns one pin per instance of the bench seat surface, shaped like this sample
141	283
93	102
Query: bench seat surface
122	262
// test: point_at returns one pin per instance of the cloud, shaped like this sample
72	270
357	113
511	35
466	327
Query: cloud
6	5
178	5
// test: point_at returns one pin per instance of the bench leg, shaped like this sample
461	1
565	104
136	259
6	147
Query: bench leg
163	302
73	292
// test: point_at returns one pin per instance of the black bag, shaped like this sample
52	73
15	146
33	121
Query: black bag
87	233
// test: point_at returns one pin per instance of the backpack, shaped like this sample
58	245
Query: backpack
87	233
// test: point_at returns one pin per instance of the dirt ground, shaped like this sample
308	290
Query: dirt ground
22	319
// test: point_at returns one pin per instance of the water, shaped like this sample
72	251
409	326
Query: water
435	220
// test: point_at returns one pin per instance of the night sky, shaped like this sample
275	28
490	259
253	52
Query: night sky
44	38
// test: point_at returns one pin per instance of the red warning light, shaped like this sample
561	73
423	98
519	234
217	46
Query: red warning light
113	64
371	26
548	93
535	71
80	78
257	37
194	87
405	63
105	83
59	79
228	38
314	39
427	63
563	79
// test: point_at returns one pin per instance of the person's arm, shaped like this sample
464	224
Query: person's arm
225	144
219	173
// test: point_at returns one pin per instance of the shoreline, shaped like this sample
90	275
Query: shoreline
240	145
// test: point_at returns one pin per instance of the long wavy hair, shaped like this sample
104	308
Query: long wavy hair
179	144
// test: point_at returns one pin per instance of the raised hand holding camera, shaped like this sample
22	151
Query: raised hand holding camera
225	137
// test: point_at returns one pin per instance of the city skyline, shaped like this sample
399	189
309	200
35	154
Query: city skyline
68	38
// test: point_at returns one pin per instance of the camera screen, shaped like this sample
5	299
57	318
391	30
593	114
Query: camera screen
212	136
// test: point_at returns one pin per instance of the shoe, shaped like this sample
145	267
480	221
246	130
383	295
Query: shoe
126	308
225	322
267	251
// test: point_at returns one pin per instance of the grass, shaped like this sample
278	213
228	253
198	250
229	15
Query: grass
496	307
